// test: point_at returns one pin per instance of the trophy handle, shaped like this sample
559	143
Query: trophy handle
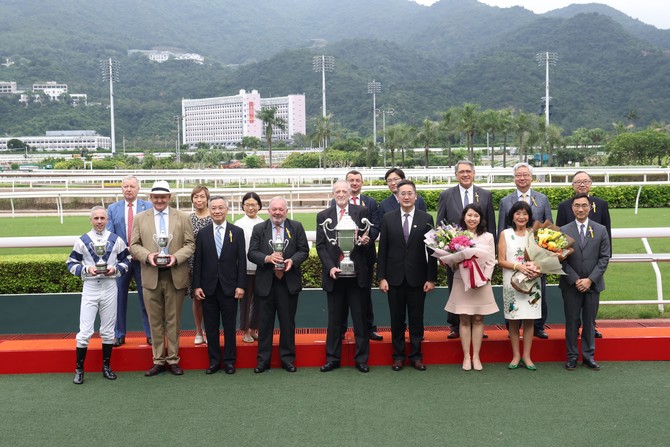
366	225
326	228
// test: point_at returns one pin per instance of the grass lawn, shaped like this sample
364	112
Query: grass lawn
623	281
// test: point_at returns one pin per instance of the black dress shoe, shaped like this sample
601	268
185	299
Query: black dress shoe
541	334
155	370
374	335
485	336
363	367
571	364
453	333
78	377
119	341
229	369
149	341
418	365
290	367
598	334
397	365
107	373
329	366
260	368
591	364
176	369
212	369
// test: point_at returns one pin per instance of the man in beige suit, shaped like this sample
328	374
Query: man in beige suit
164	285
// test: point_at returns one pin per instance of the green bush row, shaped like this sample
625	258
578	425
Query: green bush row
652	196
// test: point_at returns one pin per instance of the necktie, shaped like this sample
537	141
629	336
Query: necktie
523	197
466	200
130	222
161	224
353	200
582	235
405	227
341	214
218	240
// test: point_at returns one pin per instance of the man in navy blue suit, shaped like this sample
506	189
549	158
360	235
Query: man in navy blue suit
121	215
219	280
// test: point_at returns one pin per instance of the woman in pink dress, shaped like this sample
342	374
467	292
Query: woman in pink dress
472	303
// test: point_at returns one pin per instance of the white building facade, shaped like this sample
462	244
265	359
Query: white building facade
52	89
225	121
63	140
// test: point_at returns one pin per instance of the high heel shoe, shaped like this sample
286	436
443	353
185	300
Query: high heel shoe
467	364
528	367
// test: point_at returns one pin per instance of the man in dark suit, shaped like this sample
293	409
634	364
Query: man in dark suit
219	280
394	176
598	211
583	282
406	272
539	205
121	216
344	293
164	286
278	282
449	208
355	180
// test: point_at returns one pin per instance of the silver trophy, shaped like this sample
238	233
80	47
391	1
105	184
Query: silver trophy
100	248
278	246
347	236
162	240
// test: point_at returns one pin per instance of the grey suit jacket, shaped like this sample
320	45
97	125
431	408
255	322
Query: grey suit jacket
539	205
450	207
589	261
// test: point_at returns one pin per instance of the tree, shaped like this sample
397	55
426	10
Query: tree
270	120
639	148
448	127
250	143
426	136
490	122
254	161
468	122
323	130
506	126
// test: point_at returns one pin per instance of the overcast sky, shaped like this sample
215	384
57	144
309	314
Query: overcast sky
653	12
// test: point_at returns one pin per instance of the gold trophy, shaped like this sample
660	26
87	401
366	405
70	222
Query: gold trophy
347	237
162	240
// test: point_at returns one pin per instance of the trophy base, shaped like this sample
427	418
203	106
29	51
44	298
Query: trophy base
162	261
100	268
347	274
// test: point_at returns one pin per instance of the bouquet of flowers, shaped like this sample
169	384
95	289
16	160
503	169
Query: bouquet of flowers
457	248
547	247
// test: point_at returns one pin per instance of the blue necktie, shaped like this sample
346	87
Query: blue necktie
218	240
466	200
405	227
582	235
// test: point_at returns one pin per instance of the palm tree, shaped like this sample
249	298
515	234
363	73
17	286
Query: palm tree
448	126
490	122
427	136
270	120
506	124
323	130
468	123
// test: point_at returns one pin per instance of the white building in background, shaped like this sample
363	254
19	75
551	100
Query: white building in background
8	87
63	140
52	89
224	121
164	55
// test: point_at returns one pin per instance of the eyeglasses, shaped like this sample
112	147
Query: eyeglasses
251	205
218	208
465	171
393	180
526	175
581	182
581	205
406	193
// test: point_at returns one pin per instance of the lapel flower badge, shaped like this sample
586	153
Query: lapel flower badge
476	197
593	205
288	233
230	235
532	199
591	231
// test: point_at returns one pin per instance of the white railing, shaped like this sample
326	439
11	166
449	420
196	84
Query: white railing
617	233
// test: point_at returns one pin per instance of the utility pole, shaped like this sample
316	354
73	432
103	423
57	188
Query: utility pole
110	72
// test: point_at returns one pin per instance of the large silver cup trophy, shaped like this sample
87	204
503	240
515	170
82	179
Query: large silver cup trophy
278	246
162	240
100	248
347	236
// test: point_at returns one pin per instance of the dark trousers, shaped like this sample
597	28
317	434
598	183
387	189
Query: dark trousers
580	306
284	305
248	309
347	295
406	302
122	285
217	309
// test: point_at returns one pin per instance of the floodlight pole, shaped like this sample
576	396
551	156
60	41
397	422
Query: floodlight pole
110	72
323	64
374	88
547	58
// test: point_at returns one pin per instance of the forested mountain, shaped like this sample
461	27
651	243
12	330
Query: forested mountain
427	59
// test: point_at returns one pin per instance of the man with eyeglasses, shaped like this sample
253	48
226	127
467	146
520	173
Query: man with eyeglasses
598	209
394	176
539	204
583	281
449	208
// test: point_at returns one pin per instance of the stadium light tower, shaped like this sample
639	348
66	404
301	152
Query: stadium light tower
547	58
323	64
374	88
110	72
177	120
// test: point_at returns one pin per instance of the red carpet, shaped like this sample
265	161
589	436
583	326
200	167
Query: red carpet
623	341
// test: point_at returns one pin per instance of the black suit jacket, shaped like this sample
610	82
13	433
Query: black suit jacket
229	269
589	261
330	254
411	260
599	212
297	250
450	206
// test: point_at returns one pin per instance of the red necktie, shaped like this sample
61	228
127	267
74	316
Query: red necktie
353	199
341	214
130	222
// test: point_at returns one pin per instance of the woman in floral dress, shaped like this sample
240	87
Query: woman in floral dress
519	307
200	218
